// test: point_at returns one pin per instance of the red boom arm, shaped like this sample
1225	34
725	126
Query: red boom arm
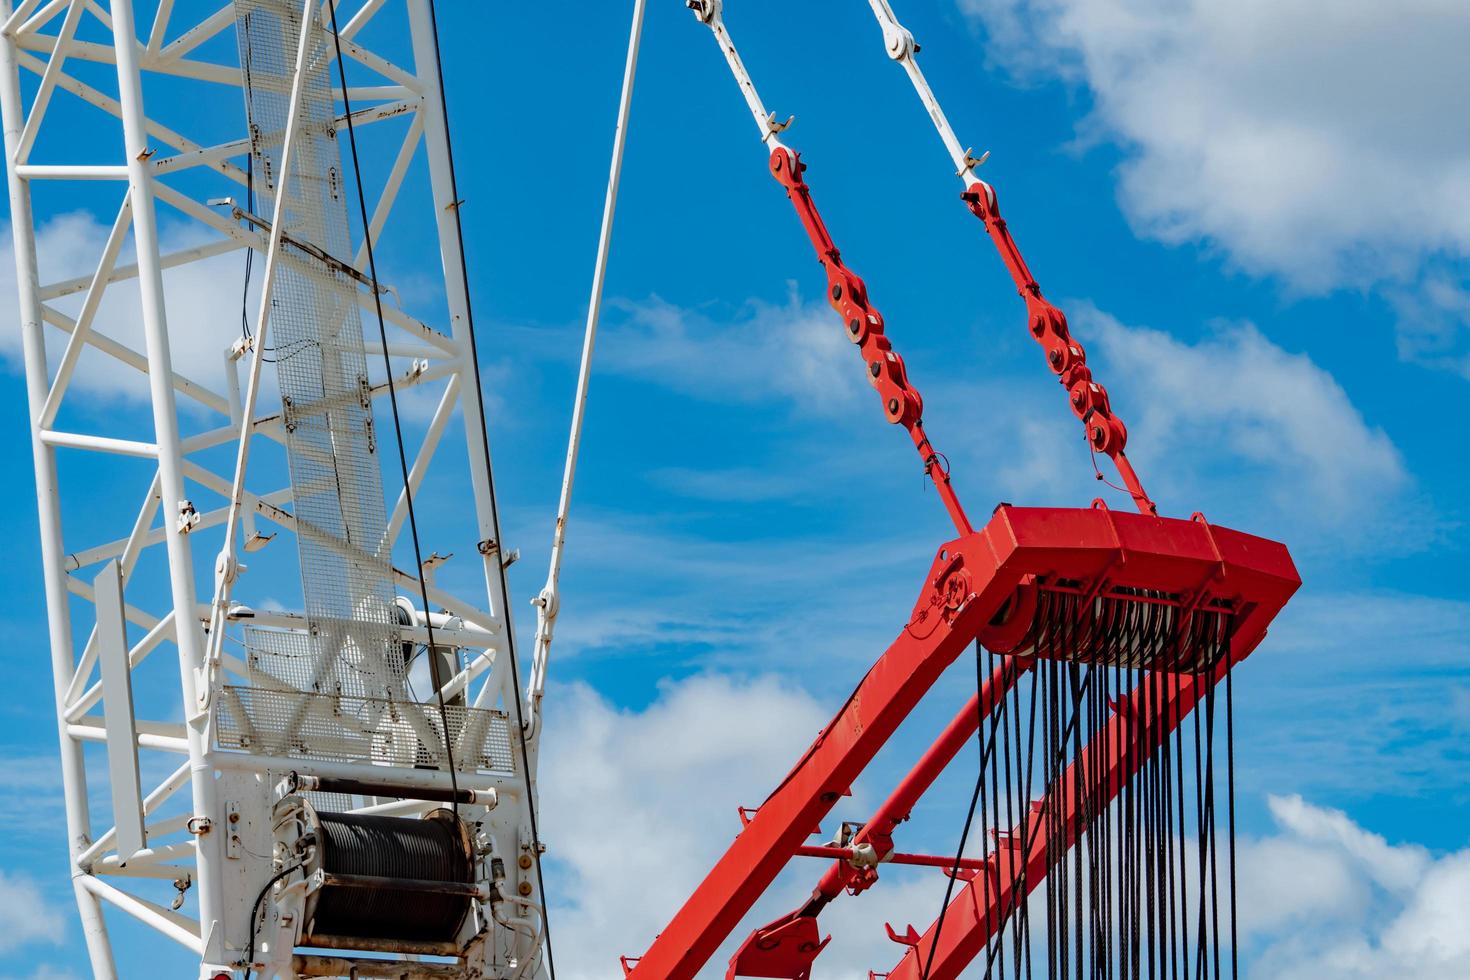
965	599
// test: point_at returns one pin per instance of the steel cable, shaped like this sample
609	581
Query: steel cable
474	353
435	668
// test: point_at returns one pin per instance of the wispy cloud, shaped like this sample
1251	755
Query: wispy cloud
30	918
1238	406
1255	128
793	351
649	587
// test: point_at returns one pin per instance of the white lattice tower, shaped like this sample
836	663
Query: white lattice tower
168	776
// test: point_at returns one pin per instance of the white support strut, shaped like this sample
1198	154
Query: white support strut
711	14
902	48
548	602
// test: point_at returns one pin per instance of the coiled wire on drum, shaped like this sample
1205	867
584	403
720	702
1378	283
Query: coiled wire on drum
353	846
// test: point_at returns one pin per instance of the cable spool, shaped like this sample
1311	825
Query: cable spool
384	880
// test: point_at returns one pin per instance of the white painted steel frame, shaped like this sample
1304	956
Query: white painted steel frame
39	38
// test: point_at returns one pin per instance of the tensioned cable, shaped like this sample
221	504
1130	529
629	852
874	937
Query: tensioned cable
435	668
986	749
474	353
1230	808
1018	877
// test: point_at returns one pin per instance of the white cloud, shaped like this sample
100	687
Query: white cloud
1349	905
203	306
29	917
202	303
1313	141
1235	403
639	804
795	351
1309	139
1434	322
1395	868
1231	423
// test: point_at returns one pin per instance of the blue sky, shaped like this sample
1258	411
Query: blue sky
1266	256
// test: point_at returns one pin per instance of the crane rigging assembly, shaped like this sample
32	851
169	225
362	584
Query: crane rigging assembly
361	774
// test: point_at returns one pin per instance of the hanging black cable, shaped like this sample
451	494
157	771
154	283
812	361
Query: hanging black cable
959	853
255	916
249	252
418	556
1210	797
1201	831
995	924
1018	876
1230	807
494	510
1184	947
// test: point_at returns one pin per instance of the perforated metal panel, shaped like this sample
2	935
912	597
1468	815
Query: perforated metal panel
336	728
315	332
337	690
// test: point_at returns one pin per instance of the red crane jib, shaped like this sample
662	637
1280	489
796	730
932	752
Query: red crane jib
1003	586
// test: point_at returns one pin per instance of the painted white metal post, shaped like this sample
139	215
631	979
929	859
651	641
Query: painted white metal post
441	176
48	503
436	147
548	603
170	475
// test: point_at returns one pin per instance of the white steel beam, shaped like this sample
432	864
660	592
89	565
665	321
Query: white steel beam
187	637
95	288
48	501
42	97
117	710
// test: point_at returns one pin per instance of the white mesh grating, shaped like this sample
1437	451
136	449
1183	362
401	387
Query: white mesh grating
337	690
335	728
321	364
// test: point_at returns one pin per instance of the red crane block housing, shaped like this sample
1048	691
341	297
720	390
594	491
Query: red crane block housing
1091	584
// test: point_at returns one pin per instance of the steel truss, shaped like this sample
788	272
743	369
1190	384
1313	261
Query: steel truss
107	609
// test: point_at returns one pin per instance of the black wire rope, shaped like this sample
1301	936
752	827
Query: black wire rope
490	490
959	854
1230	806
435	668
